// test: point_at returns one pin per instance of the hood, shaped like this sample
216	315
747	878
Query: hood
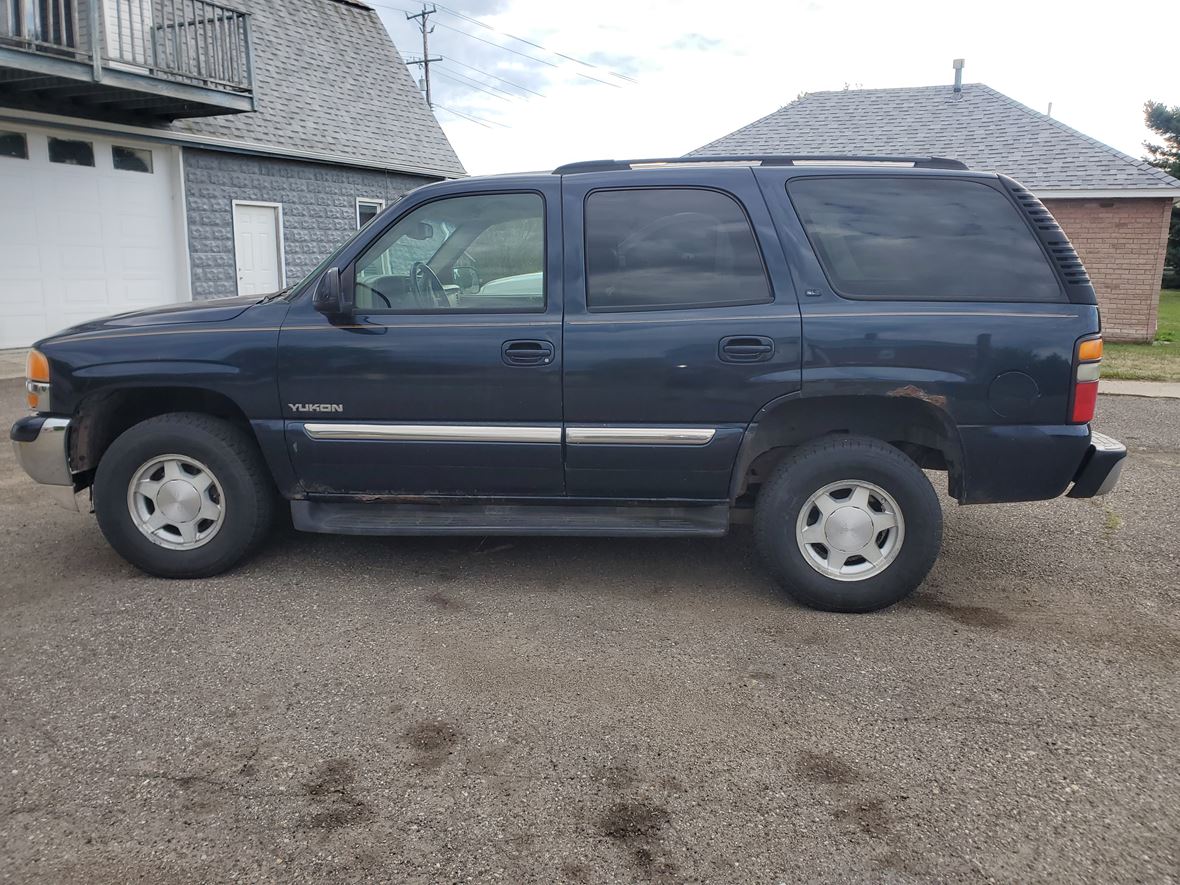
216	310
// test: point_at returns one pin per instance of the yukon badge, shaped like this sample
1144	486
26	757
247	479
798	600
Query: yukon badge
315	407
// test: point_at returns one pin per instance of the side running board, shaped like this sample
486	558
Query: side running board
508	519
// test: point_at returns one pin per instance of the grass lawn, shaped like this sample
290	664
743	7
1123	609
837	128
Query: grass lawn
1158	361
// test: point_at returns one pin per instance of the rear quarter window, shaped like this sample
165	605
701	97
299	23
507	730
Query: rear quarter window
922	239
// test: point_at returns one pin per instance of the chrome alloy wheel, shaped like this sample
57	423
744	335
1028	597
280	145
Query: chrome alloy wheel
176	502
850	530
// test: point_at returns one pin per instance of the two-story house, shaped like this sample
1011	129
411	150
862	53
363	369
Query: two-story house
157	151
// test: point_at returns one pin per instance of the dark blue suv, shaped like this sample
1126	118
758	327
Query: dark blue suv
641	348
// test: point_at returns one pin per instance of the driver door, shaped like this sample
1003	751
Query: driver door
447	378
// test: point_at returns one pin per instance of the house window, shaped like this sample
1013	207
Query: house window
14	144
71	153
131	159
366	210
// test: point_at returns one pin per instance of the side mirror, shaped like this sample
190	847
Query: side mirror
329	296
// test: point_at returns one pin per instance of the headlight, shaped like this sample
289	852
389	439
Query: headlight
37	381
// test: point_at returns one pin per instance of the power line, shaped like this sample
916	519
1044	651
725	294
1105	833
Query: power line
470	84
596	80
476	21
487	124
511	83
500	46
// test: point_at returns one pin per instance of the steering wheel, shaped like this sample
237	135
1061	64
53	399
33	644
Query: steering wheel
375	294
428	288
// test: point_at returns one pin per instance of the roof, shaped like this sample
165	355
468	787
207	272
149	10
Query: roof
984	128
329	84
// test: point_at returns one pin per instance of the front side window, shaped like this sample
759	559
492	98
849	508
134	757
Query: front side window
922	239
668	248
477	253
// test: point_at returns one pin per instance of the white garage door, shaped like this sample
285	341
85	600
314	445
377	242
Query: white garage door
88	227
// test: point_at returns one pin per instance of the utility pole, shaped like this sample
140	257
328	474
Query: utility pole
427	29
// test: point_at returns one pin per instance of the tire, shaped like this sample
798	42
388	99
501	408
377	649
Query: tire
863	484
225	521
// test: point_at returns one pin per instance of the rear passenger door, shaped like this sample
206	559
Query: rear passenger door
680	324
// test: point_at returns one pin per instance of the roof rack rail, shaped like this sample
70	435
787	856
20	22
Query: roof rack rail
761	159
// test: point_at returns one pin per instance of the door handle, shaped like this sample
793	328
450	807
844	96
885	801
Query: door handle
527	353
745	349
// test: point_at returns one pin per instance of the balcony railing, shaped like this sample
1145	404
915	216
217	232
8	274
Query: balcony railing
197	43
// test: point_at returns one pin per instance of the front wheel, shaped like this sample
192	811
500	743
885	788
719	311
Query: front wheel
183	495
848	524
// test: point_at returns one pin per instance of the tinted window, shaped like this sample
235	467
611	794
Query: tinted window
652	249
482	253
14	144
922	239
70	152
131	159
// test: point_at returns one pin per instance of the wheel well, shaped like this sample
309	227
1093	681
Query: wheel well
919	429
101	417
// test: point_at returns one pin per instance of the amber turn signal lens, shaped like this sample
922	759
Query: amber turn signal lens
1090	350
37	367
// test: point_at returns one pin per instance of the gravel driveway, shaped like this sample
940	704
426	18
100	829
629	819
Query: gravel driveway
541	710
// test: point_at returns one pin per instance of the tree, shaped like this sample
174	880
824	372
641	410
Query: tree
1165	121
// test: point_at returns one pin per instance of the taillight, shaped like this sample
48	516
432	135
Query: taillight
1085	387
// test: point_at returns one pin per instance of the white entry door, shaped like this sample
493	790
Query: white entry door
258	247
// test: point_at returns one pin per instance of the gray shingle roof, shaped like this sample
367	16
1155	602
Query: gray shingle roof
328	80
985	129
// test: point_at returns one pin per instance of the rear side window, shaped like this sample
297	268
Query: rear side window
922	239
668	248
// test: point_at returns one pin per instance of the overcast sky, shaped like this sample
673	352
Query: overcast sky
680	73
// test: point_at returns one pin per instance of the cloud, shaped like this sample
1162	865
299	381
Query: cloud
695	42
703	73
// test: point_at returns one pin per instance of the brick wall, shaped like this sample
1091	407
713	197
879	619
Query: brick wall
319	209
1122	244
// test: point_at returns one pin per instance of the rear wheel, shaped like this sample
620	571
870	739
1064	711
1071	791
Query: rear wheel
848	524
183	495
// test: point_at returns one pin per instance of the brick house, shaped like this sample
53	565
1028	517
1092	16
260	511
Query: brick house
157	151
1114	208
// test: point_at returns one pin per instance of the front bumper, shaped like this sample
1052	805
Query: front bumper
42	450
1100	469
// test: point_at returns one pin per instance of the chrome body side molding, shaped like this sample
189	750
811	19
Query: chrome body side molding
642	436
517	433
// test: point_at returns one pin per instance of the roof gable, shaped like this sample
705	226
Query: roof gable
984	128
329	82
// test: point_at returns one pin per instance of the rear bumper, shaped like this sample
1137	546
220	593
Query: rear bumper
1099	472
42	450
1036	462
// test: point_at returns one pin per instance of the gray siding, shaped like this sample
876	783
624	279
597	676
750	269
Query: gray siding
319	209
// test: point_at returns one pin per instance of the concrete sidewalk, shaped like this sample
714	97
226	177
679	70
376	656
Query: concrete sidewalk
12	365
1119	387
